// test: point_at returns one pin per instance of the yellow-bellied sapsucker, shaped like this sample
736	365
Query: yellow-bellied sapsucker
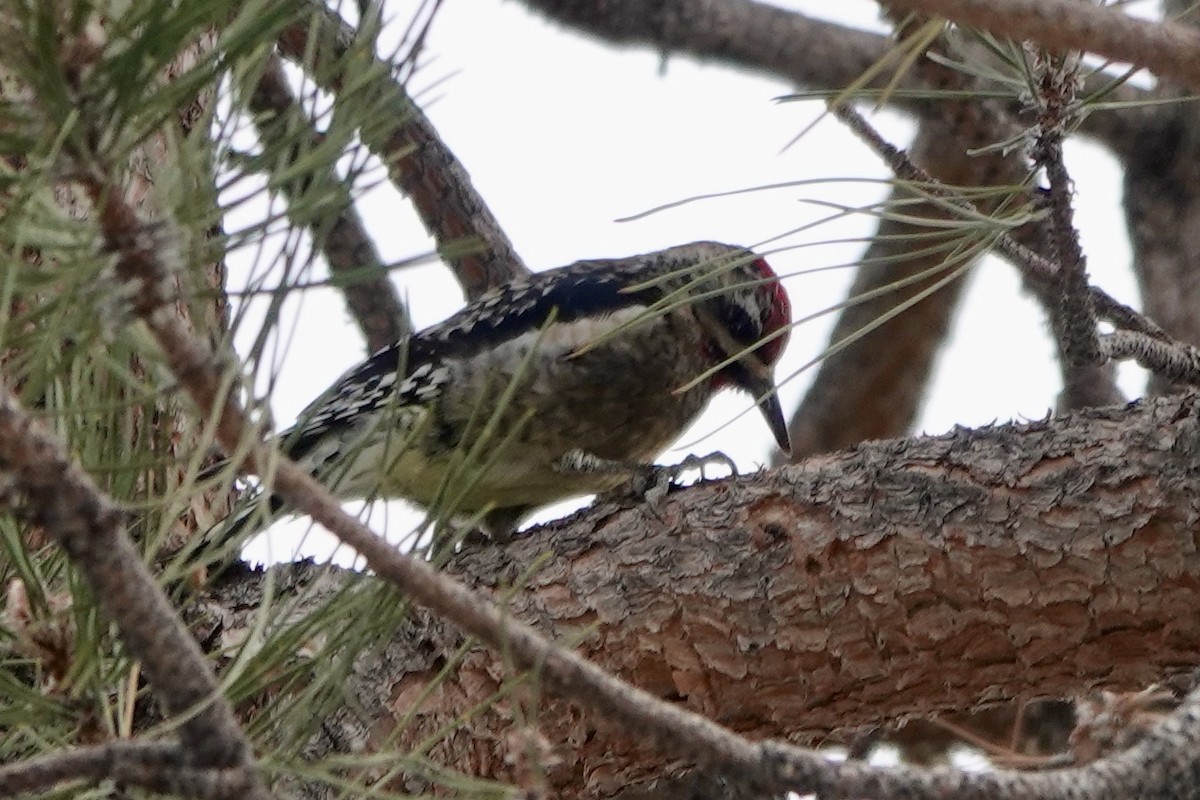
558	384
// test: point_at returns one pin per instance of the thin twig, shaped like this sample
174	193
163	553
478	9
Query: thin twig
156	766
1075	322
468	236
371	296
1124	317
415	36
1036	268
1175	361
1162	765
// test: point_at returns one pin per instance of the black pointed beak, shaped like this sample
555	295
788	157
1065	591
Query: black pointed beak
760	382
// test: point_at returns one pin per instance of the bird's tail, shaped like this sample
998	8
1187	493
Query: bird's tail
223	542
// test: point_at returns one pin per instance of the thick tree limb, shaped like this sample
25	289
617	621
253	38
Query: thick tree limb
859	588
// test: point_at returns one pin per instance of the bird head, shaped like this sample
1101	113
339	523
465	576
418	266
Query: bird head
746	318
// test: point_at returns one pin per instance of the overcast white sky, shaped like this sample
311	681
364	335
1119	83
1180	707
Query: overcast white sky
563	136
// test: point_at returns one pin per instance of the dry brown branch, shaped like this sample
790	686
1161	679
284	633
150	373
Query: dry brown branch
884	582
372	298
751	35
468	236
1174	361
1165	766
903	577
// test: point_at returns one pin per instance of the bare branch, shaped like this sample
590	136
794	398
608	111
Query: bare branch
1175	361
1074	319
157	766
1124	317
1170	50
468	236
371	296
754	35
1162	766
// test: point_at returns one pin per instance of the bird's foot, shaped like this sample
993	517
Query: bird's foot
647	482
655	481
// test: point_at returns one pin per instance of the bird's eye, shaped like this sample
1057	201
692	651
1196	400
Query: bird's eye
738	321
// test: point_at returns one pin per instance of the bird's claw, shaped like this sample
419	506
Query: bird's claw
653	482
649	483
715	458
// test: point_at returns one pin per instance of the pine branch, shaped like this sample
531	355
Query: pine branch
1167	49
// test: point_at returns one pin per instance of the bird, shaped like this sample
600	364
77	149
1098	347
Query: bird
560	383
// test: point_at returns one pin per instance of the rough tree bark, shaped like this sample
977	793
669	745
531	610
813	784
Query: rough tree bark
852	590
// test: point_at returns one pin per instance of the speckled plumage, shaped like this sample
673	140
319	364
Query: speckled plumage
478	411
